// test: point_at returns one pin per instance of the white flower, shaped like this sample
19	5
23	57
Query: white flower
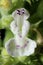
20	23
20	45
15	50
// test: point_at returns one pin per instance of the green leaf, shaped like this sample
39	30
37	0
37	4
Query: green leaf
41	58
16	4
8	35
29	1
34	18
5	21
40	9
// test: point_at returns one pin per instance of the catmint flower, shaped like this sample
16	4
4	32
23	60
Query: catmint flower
20	45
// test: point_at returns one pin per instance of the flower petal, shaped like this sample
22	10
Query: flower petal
22	11
12	48
19	19
26	13
14	27
19	16
25	28
19	40
30	47
15	51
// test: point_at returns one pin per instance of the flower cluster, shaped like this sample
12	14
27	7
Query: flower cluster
20	45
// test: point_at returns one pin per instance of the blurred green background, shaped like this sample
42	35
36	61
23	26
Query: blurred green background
35	8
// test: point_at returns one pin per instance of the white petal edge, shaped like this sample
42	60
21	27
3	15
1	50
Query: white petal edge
25	28
13	28
30	47
12	51
7	46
